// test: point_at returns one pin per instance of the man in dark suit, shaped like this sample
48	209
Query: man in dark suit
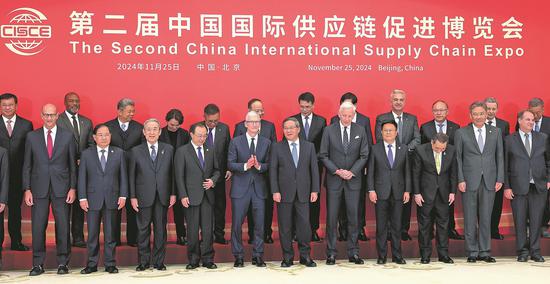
4	186
102	191
248	160
81	127
218	141
176	136
311	129
126	133
152	192
408	135
13	133
440	124
49	177
364	121
344	152
294	178
267	130
389	185
504	126
434	184
480	156
527	167
196	172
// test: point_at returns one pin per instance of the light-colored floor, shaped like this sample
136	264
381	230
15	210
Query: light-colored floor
506	270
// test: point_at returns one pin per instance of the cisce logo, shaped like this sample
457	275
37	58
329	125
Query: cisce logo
26	32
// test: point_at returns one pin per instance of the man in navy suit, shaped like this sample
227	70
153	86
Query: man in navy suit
248	160
102	191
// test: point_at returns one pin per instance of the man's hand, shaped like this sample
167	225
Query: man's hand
2	207
509	194
250	163
313	197
462	186
451	198
121	203
498	186
28	198
185	202
406	197
227	175
71	196
256	163
207	184
172	200
418	199
372	196
277	197
84	205
135	204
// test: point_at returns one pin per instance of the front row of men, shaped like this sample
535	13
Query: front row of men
475	165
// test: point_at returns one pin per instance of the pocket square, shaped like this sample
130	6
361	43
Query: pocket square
357	137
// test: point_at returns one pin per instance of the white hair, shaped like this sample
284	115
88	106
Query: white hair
250	113
347	105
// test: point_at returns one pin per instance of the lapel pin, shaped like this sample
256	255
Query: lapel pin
162	152
399	147
357	137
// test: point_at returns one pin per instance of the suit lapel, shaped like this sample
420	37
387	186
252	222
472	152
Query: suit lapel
57	140
160	156
147	155
471	134
98	162
431	157
193	154
339	135
383	152
517	137
4	130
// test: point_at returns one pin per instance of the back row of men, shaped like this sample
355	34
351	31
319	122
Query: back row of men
122	158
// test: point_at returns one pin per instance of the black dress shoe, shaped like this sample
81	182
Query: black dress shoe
258	261
142	267
192	266
209	265
522	258
446	259
405	236
286	263
356	259
160	267
331	260
268	240
239	262
453	234
362	236
497	236
537	258
315	237
381	260
88	270
471	259
111	269
221	241
488	259
36	270
398	260
181	241
308	262
79	244
63	269
424	260
19	247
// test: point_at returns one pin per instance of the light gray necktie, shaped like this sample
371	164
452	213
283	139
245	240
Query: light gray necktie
399	128
527	144
153	153
103	160
480	142
123	127
440	125
294	154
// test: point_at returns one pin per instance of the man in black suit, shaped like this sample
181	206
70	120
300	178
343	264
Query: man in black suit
152	192
176	136
344	152
311	129
126	133
294	178
440	124
527	167
267	130
434	184
13	133
102	191
408	135
4	186
196	172
364	121
504	126
218	141
81	127
49	177
389	185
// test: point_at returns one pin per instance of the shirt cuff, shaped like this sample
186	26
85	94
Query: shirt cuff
83	199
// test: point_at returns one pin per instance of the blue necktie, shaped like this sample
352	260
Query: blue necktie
390	156
153	153
123	126
537	127
210	139
201	158
103	160
306	126
294	154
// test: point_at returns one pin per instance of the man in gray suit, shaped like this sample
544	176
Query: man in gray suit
152	192
4	186
49	177
294	178
527	168
344	152
408	135
196	173
81	127
480	157
102	191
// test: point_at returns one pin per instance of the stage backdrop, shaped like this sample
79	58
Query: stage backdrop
185	54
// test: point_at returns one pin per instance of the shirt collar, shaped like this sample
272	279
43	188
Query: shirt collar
106	149
70	115
297	142
12	119
386	145
156	145
248	137
523	133
54	129
475	127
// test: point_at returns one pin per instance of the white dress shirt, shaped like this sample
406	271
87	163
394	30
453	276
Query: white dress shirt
249	140
54	131
443	128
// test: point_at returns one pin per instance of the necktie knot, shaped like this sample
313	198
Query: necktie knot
389	146
102	151
123	126
9	121
49	132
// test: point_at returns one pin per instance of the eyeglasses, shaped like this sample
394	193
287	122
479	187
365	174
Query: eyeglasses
290	128
49	115
253	121
439	110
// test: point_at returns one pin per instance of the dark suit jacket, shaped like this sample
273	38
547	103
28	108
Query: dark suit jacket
238	155
182	137
267	130
385	180
504	127
518	164
426	180
146	178
134	133
100	187
361	120
39	171
4	176
411	133
316	127
221	145
334	157
16	148
85	127
291	181
428	131
190	175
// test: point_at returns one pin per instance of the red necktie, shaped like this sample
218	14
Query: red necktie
49	145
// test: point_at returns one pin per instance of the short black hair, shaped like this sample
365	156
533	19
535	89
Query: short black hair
97	127
7	96
392	122
211	109
349	96
175	114
250	102
308	97
200	124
